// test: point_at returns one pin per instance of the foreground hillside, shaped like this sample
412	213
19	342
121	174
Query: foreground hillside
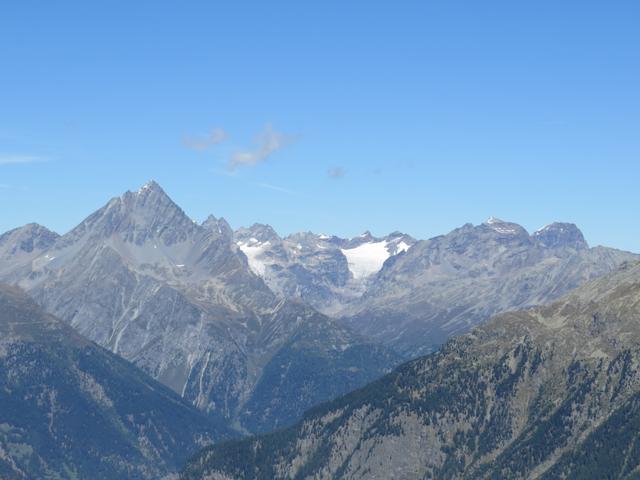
72	410
550	392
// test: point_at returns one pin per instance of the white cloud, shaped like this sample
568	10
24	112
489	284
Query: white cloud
9	159
267	142
203	142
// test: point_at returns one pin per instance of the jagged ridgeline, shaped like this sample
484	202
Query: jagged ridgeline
72	410
446	285
255	328
229	320
549	392
179	300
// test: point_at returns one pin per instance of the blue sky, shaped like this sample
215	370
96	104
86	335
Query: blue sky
326	116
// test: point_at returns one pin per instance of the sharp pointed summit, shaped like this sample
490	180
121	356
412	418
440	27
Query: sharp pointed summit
151	193
150	185
148	213
218	226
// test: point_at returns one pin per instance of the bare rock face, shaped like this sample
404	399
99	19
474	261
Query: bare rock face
448	284
413	295
71	409
179	300
18	247
28	239
321	270
544	393
559	235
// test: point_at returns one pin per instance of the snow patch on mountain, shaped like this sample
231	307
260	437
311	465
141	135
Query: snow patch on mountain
402	247
254	250
502	227
366	259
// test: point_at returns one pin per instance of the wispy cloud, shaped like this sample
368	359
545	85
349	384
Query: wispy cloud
269	186
204	142
5	185
225	172
274	187
336	172
9	159
267	143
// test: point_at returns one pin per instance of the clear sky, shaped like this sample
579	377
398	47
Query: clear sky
331	116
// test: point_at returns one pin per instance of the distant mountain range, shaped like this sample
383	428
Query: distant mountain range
256	328
179	300
544	393
448	284
70	409
321	270
413	295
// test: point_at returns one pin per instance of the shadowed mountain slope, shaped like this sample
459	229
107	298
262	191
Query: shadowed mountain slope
70	409
548	392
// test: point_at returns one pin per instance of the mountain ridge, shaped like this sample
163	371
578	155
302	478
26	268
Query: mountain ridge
527	395
179	300
446	285
188	303
70	409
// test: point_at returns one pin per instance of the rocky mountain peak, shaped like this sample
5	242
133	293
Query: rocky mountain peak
505	228
303	238
398	237
366	236
259	231
150	187
218	226
559	234
397	233
138	216
149	196
27	238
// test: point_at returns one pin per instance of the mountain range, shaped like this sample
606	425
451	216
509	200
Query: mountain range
253	329
180	301
413	295
543	393
321	270
448	284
